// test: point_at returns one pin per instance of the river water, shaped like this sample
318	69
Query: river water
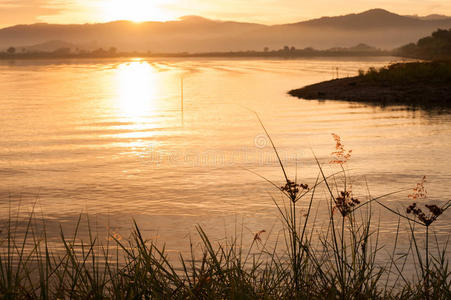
112	139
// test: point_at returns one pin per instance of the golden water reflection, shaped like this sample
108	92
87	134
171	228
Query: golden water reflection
137	101
108	139
136	88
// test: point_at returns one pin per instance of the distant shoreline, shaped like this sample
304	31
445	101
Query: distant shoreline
238	54
421	92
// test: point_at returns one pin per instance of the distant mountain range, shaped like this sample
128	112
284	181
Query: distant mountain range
430	17
376	27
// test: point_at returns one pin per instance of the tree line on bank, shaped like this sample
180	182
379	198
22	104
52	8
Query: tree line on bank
437	46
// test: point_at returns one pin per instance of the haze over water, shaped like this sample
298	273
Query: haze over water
109	138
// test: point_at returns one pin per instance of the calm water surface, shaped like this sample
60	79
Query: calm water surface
109	138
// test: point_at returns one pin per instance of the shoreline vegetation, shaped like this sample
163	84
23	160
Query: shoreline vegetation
417	84
434	47
360	50
424	84
343	263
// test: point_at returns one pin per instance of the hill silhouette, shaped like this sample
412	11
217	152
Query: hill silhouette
48	46
437	46
431	17
374	18
376	27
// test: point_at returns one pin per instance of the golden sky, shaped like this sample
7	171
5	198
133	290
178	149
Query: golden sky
262	11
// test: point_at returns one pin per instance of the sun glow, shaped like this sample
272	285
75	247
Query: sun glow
134	10
136	90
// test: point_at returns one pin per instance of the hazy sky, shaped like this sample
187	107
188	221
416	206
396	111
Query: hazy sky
263	11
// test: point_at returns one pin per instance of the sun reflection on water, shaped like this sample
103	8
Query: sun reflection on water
136	102
136	90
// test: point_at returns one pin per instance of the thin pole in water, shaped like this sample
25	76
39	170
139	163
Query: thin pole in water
181	99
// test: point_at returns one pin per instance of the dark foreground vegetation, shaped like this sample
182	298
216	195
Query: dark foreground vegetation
342	264
417	84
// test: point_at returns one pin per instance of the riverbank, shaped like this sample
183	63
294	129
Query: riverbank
423	84
360	50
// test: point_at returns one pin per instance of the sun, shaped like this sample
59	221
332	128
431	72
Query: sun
133	10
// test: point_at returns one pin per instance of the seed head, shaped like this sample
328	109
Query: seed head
293	189
426	219
340	155
345	203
